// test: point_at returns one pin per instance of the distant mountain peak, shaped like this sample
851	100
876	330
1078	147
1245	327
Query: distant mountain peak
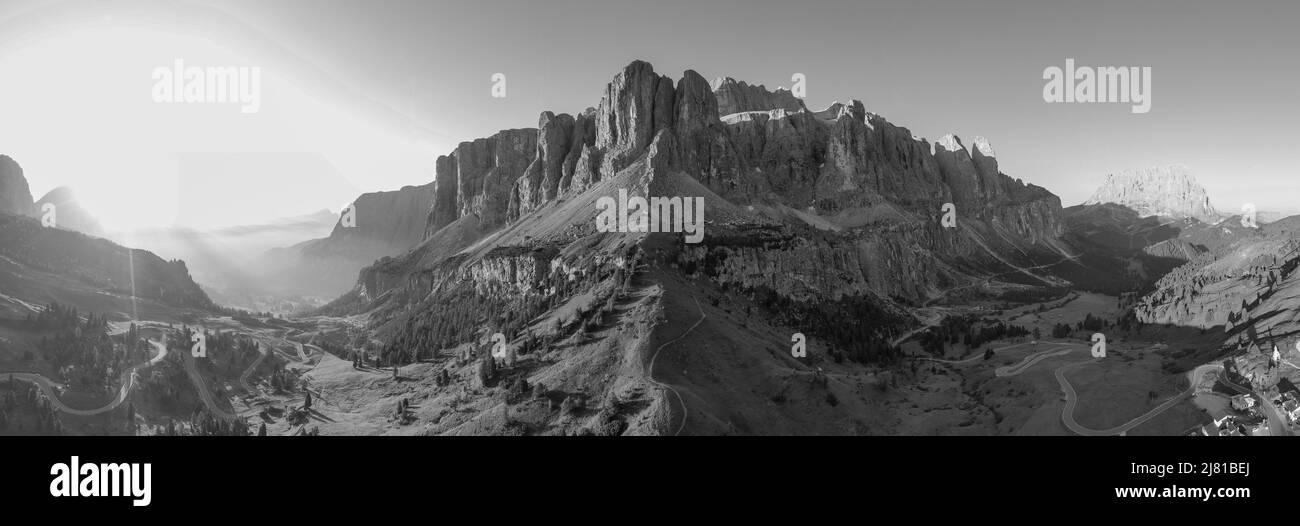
735	96
15	195
950	143
982	145
1167	191
71	214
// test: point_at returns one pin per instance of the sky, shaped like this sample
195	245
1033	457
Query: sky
363	96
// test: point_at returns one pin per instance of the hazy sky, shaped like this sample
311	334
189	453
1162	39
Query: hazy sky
361	96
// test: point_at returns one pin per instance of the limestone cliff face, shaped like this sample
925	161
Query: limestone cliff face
637	103
479	178
495	275
743	143
747	145
1169	191
509	272
15	195
541	180
805	270
390	222
737	96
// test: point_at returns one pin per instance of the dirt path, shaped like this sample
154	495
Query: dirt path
651	370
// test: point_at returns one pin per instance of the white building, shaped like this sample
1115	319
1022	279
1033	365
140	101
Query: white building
1243	402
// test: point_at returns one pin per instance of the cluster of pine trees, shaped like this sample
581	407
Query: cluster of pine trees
281	379
857	326
1090	324
203	423
79	349
969	330
166	383
25	409
231	353
58	317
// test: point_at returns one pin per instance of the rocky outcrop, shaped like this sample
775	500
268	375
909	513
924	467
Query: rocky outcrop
565	160
637	104
737	96
541	180
479	178
805	270
1175	249
1251	284
1166	191
15	195
747	144
444	209
578	163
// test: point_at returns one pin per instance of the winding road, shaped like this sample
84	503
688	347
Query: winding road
1072	397
243	377
1072	400
51	388
976	358
204	393
1030	361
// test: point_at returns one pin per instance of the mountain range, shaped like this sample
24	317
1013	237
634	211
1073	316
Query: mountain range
1166	191
836	224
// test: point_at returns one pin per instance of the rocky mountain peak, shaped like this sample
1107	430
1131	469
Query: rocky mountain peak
983	147
741	141
734	144
737	96
71	215
15	195
637	103
949	143
1168	191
